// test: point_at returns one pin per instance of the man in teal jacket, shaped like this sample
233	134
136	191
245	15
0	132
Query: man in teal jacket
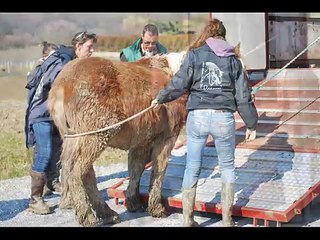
147	45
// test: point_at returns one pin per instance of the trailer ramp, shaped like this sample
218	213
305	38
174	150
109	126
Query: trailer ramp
270	185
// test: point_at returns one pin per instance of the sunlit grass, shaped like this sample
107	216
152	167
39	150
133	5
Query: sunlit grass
112	155
15	159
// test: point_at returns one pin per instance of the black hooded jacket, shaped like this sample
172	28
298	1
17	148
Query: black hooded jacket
214	78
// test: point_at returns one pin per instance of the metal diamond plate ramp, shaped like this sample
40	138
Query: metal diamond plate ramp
270	185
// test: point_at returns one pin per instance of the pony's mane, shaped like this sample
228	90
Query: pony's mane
169	63
157	61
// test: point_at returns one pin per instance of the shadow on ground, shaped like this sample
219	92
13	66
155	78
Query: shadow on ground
9	209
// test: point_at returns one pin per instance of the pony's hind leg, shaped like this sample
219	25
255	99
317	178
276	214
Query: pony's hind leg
90	207
68	155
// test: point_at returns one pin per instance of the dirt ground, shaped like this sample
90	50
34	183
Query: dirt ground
12	88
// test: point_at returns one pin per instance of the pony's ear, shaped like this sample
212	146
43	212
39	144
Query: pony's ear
237	50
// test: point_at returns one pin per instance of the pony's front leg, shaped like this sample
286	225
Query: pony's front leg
137	159
160	155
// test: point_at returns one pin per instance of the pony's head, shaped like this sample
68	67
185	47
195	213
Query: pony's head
175	60
170	62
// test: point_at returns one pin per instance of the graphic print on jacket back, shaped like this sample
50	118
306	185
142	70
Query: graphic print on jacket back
211	76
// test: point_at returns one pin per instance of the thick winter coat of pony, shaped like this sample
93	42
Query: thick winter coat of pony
93	93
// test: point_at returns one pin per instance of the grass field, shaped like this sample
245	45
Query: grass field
15	159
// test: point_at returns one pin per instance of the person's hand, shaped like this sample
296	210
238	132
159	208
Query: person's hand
250	135
253	97
40	61
154	102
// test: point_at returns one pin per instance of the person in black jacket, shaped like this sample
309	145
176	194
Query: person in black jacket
41	132
214	79
39	128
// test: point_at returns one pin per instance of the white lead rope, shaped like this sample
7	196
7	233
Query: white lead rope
256	89
109	127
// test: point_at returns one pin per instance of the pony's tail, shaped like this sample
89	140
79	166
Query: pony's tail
57	111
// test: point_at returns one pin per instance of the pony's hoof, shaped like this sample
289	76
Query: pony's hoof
112	220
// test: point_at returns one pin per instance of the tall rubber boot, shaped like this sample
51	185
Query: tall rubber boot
227	198
188	201
37	205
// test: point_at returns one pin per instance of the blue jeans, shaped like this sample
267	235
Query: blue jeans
221	126
43	132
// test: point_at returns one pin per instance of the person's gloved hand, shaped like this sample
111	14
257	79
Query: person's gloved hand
250	135
154	102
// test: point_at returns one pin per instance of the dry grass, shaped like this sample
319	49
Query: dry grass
175	43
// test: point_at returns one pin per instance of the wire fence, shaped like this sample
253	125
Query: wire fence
23	67
16	67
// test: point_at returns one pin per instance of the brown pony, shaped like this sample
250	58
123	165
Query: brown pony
93	93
